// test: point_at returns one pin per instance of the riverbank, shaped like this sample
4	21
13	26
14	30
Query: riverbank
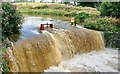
53	9
87	17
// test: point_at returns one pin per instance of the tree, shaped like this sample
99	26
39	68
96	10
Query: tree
88	4
11	20
110	9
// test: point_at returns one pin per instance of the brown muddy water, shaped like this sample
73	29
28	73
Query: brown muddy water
30	25
37	52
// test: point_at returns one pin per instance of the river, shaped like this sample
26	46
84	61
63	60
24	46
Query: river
31	23
36	52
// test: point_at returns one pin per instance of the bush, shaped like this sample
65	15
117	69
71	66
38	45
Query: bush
81	17
87	4
66	2
109	26
3	63
112	40
11	20
102	24
110	9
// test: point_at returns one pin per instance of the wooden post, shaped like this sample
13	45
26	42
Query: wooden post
42	27
51	25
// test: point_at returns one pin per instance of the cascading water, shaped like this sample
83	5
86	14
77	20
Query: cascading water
33	55
40	52
70	42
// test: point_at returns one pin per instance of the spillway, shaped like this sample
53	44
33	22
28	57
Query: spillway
38	53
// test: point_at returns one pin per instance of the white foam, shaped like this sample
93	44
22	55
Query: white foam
95	61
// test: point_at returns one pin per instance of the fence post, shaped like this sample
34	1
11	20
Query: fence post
51	25
42	27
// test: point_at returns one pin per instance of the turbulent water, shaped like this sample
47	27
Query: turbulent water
70	42
50	48
96	61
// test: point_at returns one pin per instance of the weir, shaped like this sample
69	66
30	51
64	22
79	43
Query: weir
40	52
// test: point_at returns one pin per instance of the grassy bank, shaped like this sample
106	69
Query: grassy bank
53	9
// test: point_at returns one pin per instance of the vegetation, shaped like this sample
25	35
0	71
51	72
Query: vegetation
81	17
43	12
112	39
3	64
89	4
109	23
102	24
53	9
86	16
11	20
106	24
110	9
109	26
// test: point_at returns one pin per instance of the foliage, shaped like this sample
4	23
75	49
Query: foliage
101	24
3	64
89	4
110	9
54	9
108	25
4	49
11	20
112	39
66	2
81	17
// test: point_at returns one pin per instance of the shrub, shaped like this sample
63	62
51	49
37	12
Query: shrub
81	17
110	9
101	24
3	63
109	26
11	20
112	40
66	2
87	4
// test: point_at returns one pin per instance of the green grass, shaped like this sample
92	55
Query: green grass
43	12
53	9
